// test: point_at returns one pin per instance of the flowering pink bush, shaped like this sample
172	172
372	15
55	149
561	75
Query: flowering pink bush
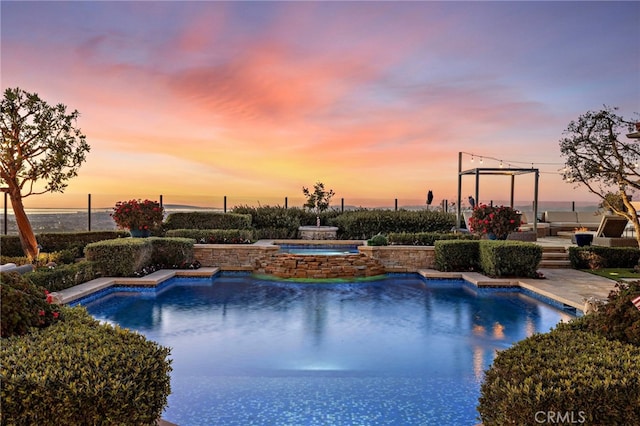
496	220
136	214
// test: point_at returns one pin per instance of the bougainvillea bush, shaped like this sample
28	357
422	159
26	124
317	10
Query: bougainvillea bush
496	220
138	215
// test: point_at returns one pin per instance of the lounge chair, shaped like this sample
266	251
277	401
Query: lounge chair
609	233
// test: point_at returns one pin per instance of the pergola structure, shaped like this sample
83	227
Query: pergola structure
499	171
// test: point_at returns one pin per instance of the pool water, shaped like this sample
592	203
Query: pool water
399	351
321	249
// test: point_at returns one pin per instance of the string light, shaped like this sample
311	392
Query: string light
524	164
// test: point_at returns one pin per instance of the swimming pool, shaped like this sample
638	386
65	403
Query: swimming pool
400	351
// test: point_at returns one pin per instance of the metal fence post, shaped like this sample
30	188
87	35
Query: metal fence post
396	204
89	212
225	203
161	202
6	219
286	202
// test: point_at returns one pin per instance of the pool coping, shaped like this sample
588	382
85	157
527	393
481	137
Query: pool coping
569	288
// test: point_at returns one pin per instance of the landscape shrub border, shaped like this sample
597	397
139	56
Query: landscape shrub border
564	371
363	224
492	258
130	257
207	220
509	258
59	241
214	236
597	257
457	255
426	238
24	305
62	277
54	376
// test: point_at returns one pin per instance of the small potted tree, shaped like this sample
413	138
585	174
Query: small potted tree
139	217
496	222
318	200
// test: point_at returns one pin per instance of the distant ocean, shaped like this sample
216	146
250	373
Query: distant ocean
76	219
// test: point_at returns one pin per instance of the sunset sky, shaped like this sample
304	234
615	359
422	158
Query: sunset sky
253	100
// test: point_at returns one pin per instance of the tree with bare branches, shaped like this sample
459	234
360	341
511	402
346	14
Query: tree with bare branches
39	143
600	157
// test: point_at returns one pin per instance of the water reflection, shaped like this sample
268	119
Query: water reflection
426	344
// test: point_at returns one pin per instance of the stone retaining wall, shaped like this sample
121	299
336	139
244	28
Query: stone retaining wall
232	256
251	257
402	258
318	266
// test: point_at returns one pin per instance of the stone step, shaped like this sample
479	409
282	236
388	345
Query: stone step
553	264
554	258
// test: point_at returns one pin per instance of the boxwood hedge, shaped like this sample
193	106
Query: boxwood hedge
363	224
82	372
509	258
207	220
567	373
596	257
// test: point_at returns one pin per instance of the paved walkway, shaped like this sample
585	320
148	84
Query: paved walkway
568	286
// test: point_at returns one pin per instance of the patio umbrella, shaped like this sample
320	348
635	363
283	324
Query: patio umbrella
429	198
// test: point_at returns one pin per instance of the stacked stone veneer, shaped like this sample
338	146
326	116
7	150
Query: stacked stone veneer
259	258
402	258
286	265
238	257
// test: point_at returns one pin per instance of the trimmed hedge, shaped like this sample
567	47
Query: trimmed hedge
24	306
596	257
493	258
59	241
426	238
80	372
63	276
267	217
172	252
457	255
509	258
564	371
131	256
207	220
214	236
363	224
120	258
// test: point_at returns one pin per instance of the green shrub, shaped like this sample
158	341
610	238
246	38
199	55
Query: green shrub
207	220
214	236
378	240
618	319
267	217
565	371
82	372
172	252
596	257
275	234
120	258
457	255
24	305
426	238
362	224
63	276
10	246
509	258
59	241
